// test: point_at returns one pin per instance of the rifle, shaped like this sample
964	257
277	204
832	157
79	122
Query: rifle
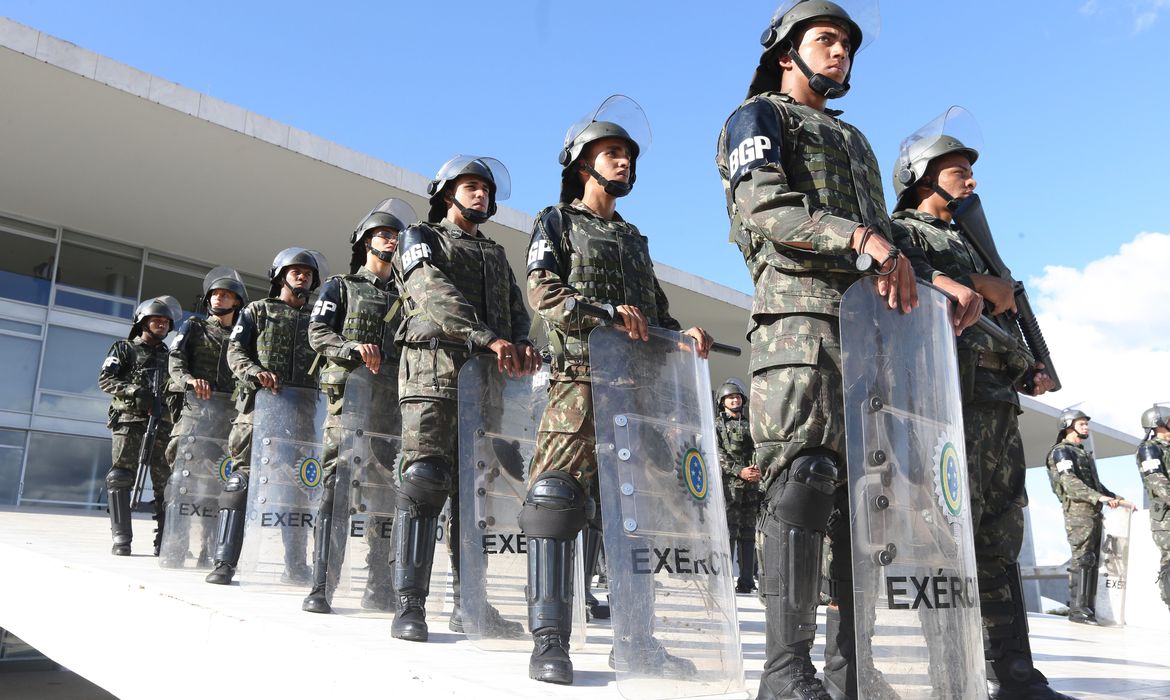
968	214
146	454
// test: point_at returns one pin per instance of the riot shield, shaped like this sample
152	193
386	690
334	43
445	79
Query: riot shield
914	577
498	418
664	515
202	464
284	490
1114	566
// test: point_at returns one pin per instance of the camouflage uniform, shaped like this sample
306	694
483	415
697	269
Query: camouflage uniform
584	257
742	497
1153	458
199	352
126	376
1076	484
798	183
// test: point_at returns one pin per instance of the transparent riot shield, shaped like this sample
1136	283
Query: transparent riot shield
1114	566
202	464
498	418
914	578
665	518
362	545
284	490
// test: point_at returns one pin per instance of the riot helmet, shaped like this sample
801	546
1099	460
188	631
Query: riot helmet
953	131
391	213
226	278
296	256
1068	417
731	387
791	17
1155	416
617	116
490	169
166	306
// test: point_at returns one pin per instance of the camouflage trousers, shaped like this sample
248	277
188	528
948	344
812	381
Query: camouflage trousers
566	438
126	447
430	431
743	509
1084	528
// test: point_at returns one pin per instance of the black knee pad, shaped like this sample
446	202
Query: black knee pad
425	485
805	499
119	478
554	508
1088	560
235	492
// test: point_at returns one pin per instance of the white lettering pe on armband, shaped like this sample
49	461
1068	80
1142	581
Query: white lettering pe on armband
1064	465
1151	465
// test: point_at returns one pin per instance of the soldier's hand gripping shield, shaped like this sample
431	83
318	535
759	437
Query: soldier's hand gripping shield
285	489
202	465
361	541
914	578
498	418
675	629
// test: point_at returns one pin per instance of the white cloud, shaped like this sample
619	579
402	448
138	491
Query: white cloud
1108	331
1144	12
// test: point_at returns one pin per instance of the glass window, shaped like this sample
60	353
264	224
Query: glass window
19	358
69	381
65	470
26	266
11	457
187	289
97	275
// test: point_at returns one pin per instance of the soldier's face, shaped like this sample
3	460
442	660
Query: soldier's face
223	299
824	46
611	158
472	192
953	174
1081	427
733	403
384	239
158	325
299	276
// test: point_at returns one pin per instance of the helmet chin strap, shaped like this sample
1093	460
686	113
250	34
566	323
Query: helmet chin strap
475	216
218	311
298	292
383	255
614	188
820	84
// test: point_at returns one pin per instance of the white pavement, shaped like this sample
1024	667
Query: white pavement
143	632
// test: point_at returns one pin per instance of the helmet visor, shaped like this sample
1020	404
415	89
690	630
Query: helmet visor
481	166
396	208
930	140
620	110
864	13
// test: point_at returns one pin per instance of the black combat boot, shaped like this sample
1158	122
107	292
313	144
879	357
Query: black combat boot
747	566
844	672
228	542
643	654
550	608
414	554
1082	594
1010	673
160	518
120	523
379	593
593	607
318	599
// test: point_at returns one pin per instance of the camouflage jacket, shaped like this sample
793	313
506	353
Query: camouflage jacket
735	449
1073	473
456	288
352	310
575	254
798	182
938	248
270	336
126	376
200	352
1153	460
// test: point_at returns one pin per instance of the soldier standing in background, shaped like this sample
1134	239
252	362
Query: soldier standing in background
268	349
741	480
804	196
459	290
1073	473
1153	459
353	323
932	175
134	375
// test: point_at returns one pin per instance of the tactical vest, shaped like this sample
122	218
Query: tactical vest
1083	466
365	321
207	355
735	439
609	263
146	360
282	341
476	266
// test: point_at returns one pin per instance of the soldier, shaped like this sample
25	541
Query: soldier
1073	473
931	176
133	375
741	480
804	195
458	289
1153	456
268	349
583	249
198	357
353	323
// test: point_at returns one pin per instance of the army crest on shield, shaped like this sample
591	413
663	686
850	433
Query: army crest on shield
949	479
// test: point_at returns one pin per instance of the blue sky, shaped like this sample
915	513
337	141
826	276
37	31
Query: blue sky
1072	98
